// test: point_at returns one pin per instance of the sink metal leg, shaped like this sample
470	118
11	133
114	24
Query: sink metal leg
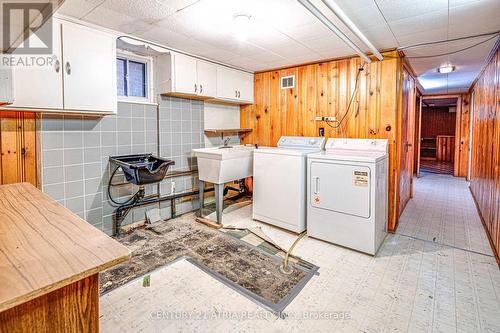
219	201
201	189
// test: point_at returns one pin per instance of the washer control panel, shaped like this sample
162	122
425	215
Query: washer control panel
301	142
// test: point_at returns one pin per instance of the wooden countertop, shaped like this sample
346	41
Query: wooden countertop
44	246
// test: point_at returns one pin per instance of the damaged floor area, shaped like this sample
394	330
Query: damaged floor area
232	259
412	285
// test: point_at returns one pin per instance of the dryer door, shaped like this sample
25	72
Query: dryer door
341	188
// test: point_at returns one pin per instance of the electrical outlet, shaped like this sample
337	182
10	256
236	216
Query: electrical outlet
325	118
330	118
172	187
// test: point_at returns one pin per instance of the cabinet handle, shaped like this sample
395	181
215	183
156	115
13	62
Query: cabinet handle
236	93
68	68
201	88
239	94
316	185
57	66
195	87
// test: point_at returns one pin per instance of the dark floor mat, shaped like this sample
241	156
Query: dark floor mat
227	258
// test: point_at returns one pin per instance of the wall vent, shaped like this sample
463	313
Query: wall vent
288	82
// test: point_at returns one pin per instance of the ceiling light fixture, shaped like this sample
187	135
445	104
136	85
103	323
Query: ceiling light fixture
445	69
241	25
329	24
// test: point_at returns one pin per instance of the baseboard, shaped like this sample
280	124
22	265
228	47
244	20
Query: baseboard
492	245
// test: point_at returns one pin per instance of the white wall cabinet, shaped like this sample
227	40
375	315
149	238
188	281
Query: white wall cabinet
5	85
185	76
39	87
82	78
89	70
234	85
180	75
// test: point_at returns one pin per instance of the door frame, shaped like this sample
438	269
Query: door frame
418	130
458	117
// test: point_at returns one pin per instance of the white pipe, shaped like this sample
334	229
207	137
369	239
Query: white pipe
316	12
347	21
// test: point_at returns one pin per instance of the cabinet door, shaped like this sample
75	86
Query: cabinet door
5	85
206	78
227	83
89	67
40	87
245	87
184	73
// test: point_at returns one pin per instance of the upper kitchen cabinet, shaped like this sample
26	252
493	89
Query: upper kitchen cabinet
5	85
182	75
89	75
234	85
81	77
185	76
40	87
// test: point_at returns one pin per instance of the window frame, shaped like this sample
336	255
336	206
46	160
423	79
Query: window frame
148	62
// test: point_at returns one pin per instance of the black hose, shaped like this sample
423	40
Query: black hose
109	191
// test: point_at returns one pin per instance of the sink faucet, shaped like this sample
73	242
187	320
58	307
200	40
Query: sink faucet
226	141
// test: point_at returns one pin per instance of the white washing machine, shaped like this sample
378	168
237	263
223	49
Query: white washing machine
279	181
347	193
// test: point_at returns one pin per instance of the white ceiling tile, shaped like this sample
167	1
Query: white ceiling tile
400	9
79	9
284	33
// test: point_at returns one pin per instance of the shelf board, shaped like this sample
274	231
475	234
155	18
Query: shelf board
225	131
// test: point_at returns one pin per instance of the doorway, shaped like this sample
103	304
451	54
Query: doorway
438	138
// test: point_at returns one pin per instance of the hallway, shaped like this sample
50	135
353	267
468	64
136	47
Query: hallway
443	211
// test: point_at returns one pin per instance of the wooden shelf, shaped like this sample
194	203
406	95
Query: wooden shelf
238	131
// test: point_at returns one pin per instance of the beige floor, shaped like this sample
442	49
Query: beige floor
411	285
443	211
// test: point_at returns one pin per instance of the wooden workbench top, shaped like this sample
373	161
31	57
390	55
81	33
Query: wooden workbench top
44	246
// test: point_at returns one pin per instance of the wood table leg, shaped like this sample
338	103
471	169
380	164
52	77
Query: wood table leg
73	308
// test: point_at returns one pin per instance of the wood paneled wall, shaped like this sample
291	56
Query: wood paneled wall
324	89
18	147
485	169
437	121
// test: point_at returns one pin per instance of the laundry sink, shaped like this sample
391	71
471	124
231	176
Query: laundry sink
219	166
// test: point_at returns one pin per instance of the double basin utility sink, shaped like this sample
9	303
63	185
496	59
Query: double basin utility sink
221	165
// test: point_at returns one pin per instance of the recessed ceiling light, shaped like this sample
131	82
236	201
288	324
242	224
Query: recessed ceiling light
444	69
241	25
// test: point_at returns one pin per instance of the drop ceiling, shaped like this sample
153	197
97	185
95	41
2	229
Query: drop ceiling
284	33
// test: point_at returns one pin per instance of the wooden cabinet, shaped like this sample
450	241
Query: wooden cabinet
234	85
185	76
445	145
82	77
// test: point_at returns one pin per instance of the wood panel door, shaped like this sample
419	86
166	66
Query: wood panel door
17	147
407	137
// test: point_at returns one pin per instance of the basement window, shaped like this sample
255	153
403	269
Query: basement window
133	78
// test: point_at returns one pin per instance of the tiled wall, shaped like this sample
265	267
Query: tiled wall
76	149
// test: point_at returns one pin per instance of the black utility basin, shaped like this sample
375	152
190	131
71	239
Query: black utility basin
142	169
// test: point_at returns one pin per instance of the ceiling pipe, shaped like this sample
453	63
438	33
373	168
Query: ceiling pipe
316	12
347	21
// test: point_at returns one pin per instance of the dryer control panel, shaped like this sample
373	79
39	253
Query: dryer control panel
379	145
